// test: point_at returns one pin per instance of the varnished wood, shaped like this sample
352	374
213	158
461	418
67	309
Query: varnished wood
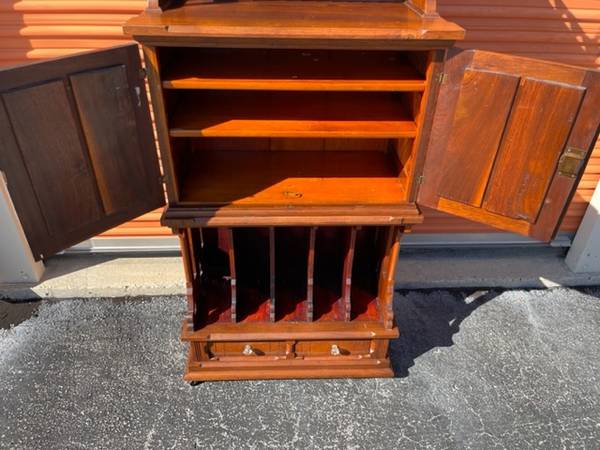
284	330
329	21
512	148
78	165
291	114
290	70
290	179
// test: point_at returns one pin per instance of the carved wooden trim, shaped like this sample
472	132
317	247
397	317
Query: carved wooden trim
427	8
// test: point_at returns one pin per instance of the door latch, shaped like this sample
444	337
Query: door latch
570	162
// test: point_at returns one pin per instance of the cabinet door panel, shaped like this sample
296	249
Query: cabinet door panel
485	97
510	140
108	124
79	152
54	155
536	133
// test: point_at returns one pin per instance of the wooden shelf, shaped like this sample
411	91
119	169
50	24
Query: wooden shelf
291	178
290	70
283	330
291	114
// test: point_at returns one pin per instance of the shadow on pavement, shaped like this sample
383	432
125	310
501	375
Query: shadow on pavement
430	320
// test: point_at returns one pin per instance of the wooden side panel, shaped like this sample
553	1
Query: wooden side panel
542	118
49	140
485	98
495	160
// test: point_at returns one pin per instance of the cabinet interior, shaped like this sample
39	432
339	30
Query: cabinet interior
289	274
260	127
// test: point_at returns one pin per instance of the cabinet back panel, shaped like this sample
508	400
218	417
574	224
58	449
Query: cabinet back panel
215	294
307	70
368	257
289	144
253	270
331	249
291	273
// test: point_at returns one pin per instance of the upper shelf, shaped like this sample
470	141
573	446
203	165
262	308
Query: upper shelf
290	70
274	22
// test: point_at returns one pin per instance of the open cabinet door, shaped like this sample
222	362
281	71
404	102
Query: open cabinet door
509	141
77	146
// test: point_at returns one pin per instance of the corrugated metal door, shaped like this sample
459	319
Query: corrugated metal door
560	30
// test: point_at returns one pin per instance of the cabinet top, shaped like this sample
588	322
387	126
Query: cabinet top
307	21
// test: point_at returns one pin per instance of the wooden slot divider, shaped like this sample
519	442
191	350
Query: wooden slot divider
226	239
310	275
189	279
347	273
386	278
272	274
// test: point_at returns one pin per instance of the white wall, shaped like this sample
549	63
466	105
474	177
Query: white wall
16	260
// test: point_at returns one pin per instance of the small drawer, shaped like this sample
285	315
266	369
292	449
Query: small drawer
246	349
333	348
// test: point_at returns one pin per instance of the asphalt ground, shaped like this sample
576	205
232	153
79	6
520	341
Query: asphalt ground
474	369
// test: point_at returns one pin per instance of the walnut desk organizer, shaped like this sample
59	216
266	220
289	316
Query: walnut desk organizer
298	140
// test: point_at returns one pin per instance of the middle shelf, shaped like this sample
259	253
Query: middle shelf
291	114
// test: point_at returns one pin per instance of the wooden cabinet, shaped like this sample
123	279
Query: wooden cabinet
298	140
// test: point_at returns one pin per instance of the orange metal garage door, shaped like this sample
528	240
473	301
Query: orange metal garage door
560	30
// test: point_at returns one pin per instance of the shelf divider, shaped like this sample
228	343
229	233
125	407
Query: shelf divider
386	278
226	243
347	274
272	274
310	282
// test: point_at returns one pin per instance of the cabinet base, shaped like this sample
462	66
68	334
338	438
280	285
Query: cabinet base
285	369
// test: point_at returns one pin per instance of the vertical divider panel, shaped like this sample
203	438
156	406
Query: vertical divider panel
347	275
386	279
272	274
310	273
226	236
184	241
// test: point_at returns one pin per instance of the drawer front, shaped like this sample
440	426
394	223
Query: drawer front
333	348
246	349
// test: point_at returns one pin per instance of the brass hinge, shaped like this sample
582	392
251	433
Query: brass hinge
442	77
570	162
143	74
420	179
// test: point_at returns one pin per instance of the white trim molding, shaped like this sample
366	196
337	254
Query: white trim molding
17	264
584	256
